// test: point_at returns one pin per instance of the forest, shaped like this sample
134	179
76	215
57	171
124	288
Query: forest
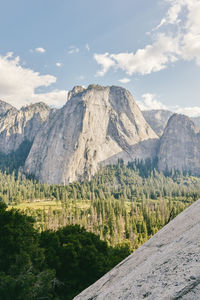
54	238
49	264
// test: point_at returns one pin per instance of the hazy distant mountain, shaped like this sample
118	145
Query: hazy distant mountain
96	124
157	119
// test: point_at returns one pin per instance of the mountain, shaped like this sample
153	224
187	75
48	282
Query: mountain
4	107
180	145
165	267
157	119
17	126
96	124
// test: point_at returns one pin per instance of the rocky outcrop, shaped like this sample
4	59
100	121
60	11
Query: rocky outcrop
157	119
17	126
180	145
95	124
167	267
4	107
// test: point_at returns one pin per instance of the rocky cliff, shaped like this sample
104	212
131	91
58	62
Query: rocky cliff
16	126
167	267
96	124
4	107
180	145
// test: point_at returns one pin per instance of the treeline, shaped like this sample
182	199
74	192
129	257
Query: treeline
122	204
52	264
115	221
112	182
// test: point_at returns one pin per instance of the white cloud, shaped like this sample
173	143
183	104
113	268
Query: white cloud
87	47
105	61
58	64
73	49
150	102
189	111
40	50
55	98
177	37
18	84
124	80
152	58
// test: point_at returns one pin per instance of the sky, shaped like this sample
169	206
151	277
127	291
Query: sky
152	48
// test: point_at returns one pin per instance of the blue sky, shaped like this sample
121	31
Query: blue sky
151	48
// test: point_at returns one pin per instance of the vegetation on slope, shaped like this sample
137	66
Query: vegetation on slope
52	264
122	204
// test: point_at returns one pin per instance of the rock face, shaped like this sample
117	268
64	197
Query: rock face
180	145
96	124
157	119
167	267
196	121
16	126
4	107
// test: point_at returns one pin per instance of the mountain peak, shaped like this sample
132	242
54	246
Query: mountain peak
35	107
4	107
95	124
75	91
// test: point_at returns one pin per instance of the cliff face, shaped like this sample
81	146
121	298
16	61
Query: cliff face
95	124
167	267
196	121
180	145
17	126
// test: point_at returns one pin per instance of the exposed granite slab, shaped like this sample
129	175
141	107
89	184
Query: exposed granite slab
167	267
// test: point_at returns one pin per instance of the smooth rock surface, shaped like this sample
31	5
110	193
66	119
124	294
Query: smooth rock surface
95	124
167	267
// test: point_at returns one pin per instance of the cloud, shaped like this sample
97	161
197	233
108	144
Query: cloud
150	102
58	64
105	61
73	49
55	98
18	84
193	111
177	37
87	47
152	58
40	50
124	80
